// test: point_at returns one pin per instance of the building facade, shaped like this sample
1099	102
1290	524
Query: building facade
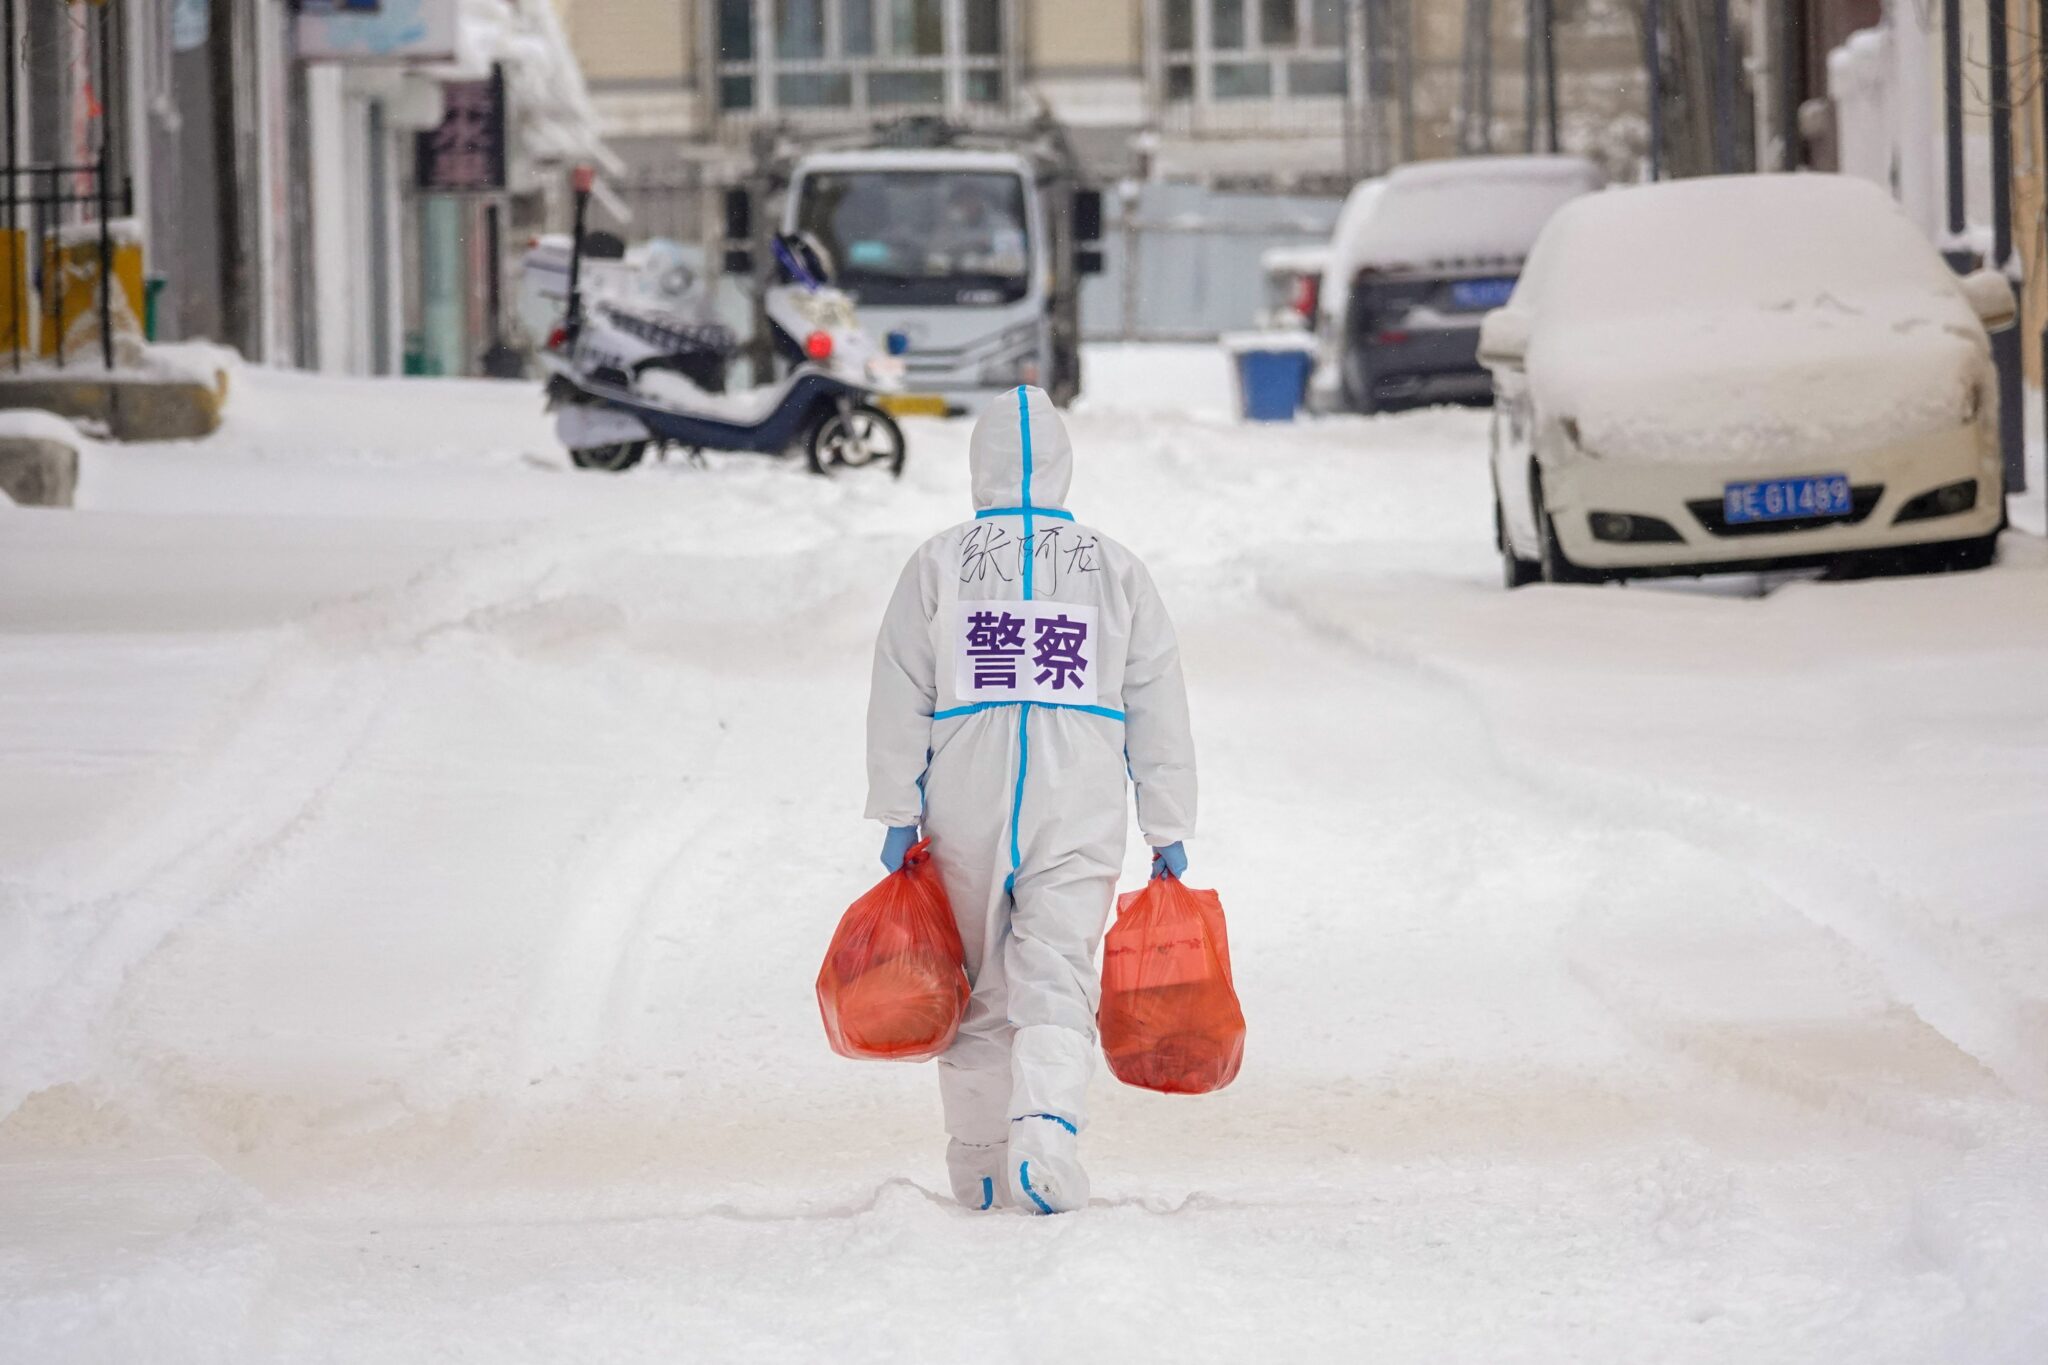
266	155
1276	96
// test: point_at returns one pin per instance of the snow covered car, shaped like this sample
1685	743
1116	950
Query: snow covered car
1742	372
1418	257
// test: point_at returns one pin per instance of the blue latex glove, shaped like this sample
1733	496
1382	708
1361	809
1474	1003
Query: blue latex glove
1171	861
898	843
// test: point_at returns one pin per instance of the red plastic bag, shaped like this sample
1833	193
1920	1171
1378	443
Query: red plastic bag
894	984
1169	1018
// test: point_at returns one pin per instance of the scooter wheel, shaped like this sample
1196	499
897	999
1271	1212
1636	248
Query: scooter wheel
865	438
613	459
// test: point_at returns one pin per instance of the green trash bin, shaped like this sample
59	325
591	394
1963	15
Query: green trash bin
152	287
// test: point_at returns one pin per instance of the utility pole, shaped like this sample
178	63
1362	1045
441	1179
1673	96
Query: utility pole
1549	76
1406	57
1653	70
2005	345
1724	91
1475	92
1791	85
1364	88
1530	19
1952	130
223	54
2041	93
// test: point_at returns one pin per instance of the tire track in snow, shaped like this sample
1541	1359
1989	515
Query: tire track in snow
260	787
625	881
1917	968
228	811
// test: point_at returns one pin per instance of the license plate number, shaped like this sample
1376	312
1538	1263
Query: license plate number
1824	495
1481	293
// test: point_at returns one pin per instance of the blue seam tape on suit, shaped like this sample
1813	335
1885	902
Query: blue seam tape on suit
1049	1118
955	712
1023	766
1024	1178
1059	514
1030	594
1027	510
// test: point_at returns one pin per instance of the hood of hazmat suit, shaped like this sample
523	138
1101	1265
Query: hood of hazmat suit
1025	673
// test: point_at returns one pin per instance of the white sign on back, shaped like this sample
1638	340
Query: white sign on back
1024	651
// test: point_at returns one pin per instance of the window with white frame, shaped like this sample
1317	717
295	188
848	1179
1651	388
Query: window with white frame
1221	50
859	55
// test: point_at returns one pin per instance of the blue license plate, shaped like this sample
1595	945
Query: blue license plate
1481	293
1823	495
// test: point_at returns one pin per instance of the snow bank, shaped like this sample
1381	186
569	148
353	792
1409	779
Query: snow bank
1806	313
35	424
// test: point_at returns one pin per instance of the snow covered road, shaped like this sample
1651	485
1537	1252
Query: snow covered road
415	856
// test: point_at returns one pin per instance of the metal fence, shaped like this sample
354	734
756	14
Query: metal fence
41	195
1182	262
47	195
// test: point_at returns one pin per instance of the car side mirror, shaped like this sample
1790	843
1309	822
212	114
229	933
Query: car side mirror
1991	298
1504	339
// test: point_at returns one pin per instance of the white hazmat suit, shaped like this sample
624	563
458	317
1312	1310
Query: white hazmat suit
1025	669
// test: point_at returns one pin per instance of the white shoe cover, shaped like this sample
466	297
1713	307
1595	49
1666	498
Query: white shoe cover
977	1173
1043	1173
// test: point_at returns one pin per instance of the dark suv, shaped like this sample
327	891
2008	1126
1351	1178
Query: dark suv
1414	338
1438	247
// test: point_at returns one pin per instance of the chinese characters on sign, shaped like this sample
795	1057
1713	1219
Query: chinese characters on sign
1025	651
1059	653
995	645
467	150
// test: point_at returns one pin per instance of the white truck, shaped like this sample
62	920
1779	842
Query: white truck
966	247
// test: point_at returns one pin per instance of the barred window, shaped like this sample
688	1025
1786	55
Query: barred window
824	56
1229	50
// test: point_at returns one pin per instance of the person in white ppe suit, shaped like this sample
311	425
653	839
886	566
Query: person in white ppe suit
1025	670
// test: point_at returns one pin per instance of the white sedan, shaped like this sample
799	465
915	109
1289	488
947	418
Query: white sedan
1742	372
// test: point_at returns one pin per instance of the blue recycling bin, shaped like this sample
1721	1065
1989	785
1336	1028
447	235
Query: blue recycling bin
1272	373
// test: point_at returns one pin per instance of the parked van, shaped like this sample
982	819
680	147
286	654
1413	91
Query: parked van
965	246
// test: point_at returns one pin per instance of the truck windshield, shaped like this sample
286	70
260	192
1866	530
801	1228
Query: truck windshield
921	238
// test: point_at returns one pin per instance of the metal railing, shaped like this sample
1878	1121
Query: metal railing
48	189
45	192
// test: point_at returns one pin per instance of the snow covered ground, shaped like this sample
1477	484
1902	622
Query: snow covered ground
415	856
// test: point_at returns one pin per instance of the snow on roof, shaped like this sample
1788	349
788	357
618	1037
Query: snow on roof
547	96
1740	239
1468	210
1748	317
1294	260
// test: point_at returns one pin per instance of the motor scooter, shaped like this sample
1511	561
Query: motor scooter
624	379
